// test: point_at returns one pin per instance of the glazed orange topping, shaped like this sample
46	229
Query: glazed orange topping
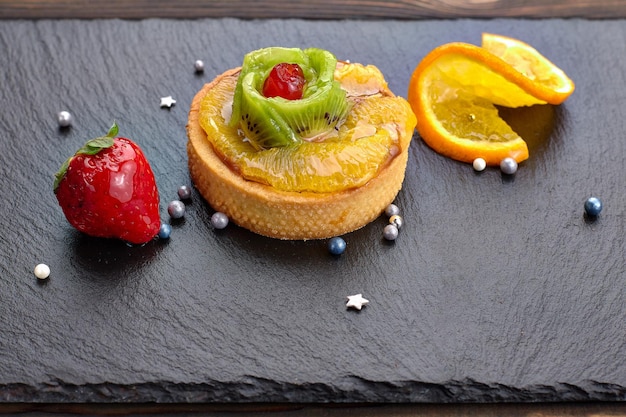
376	129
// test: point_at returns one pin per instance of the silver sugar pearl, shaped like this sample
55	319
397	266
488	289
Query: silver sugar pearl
199	66
219	220
390	232
184	192
397	221
176	209
508	166
392	210
64	118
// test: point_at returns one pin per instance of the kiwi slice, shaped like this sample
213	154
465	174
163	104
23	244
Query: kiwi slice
260	122
273	122
317	114
260	63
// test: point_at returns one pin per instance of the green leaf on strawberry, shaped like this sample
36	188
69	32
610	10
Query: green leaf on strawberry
96	145
92	147
60	174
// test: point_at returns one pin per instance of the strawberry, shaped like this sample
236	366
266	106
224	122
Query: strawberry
107	189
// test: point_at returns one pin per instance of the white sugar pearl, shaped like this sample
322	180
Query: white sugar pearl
64	118
42	271
199	66
479	164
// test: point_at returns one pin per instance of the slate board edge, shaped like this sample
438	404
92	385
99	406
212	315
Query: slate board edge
349	390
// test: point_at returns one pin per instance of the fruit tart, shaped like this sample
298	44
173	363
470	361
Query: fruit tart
296	145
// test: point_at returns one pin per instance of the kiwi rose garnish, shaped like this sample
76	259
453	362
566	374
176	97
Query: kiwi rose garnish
286	95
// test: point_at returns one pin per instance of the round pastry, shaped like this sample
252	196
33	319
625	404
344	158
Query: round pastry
320	164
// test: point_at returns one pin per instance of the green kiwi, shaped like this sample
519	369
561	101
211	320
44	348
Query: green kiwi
260	122
260	63
272	122
316	114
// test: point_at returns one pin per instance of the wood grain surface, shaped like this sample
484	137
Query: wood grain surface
310	9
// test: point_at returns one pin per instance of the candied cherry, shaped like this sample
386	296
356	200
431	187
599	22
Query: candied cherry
286	81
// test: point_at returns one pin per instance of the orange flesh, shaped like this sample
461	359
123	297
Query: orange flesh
378	127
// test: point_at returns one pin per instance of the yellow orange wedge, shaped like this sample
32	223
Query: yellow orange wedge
455	89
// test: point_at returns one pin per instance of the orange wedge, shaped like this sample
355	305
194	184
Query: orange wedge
455	89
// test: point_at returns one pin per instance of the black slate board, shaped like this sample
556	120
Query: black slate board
498	289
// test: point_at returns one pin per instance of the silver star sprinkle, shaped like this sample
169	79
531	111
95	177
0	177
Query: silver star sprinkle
167	101
356	301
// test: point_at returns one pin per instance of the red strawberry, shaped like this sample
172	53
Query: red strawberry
107	189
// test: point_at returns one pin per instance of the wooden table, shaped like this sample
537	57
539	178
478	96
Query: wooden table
319	9
314	9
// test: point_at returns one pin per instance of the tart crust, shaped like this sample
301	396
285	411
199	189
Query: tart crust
284	214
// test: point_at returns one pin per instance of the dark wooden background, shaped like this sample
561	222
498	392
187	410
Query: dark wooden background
319	9
311	9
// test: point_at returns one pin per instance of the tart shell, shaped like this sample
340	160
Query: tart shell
283	214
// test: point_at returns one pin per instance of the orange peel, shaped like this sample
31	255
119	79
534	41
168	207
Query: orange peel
454	91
